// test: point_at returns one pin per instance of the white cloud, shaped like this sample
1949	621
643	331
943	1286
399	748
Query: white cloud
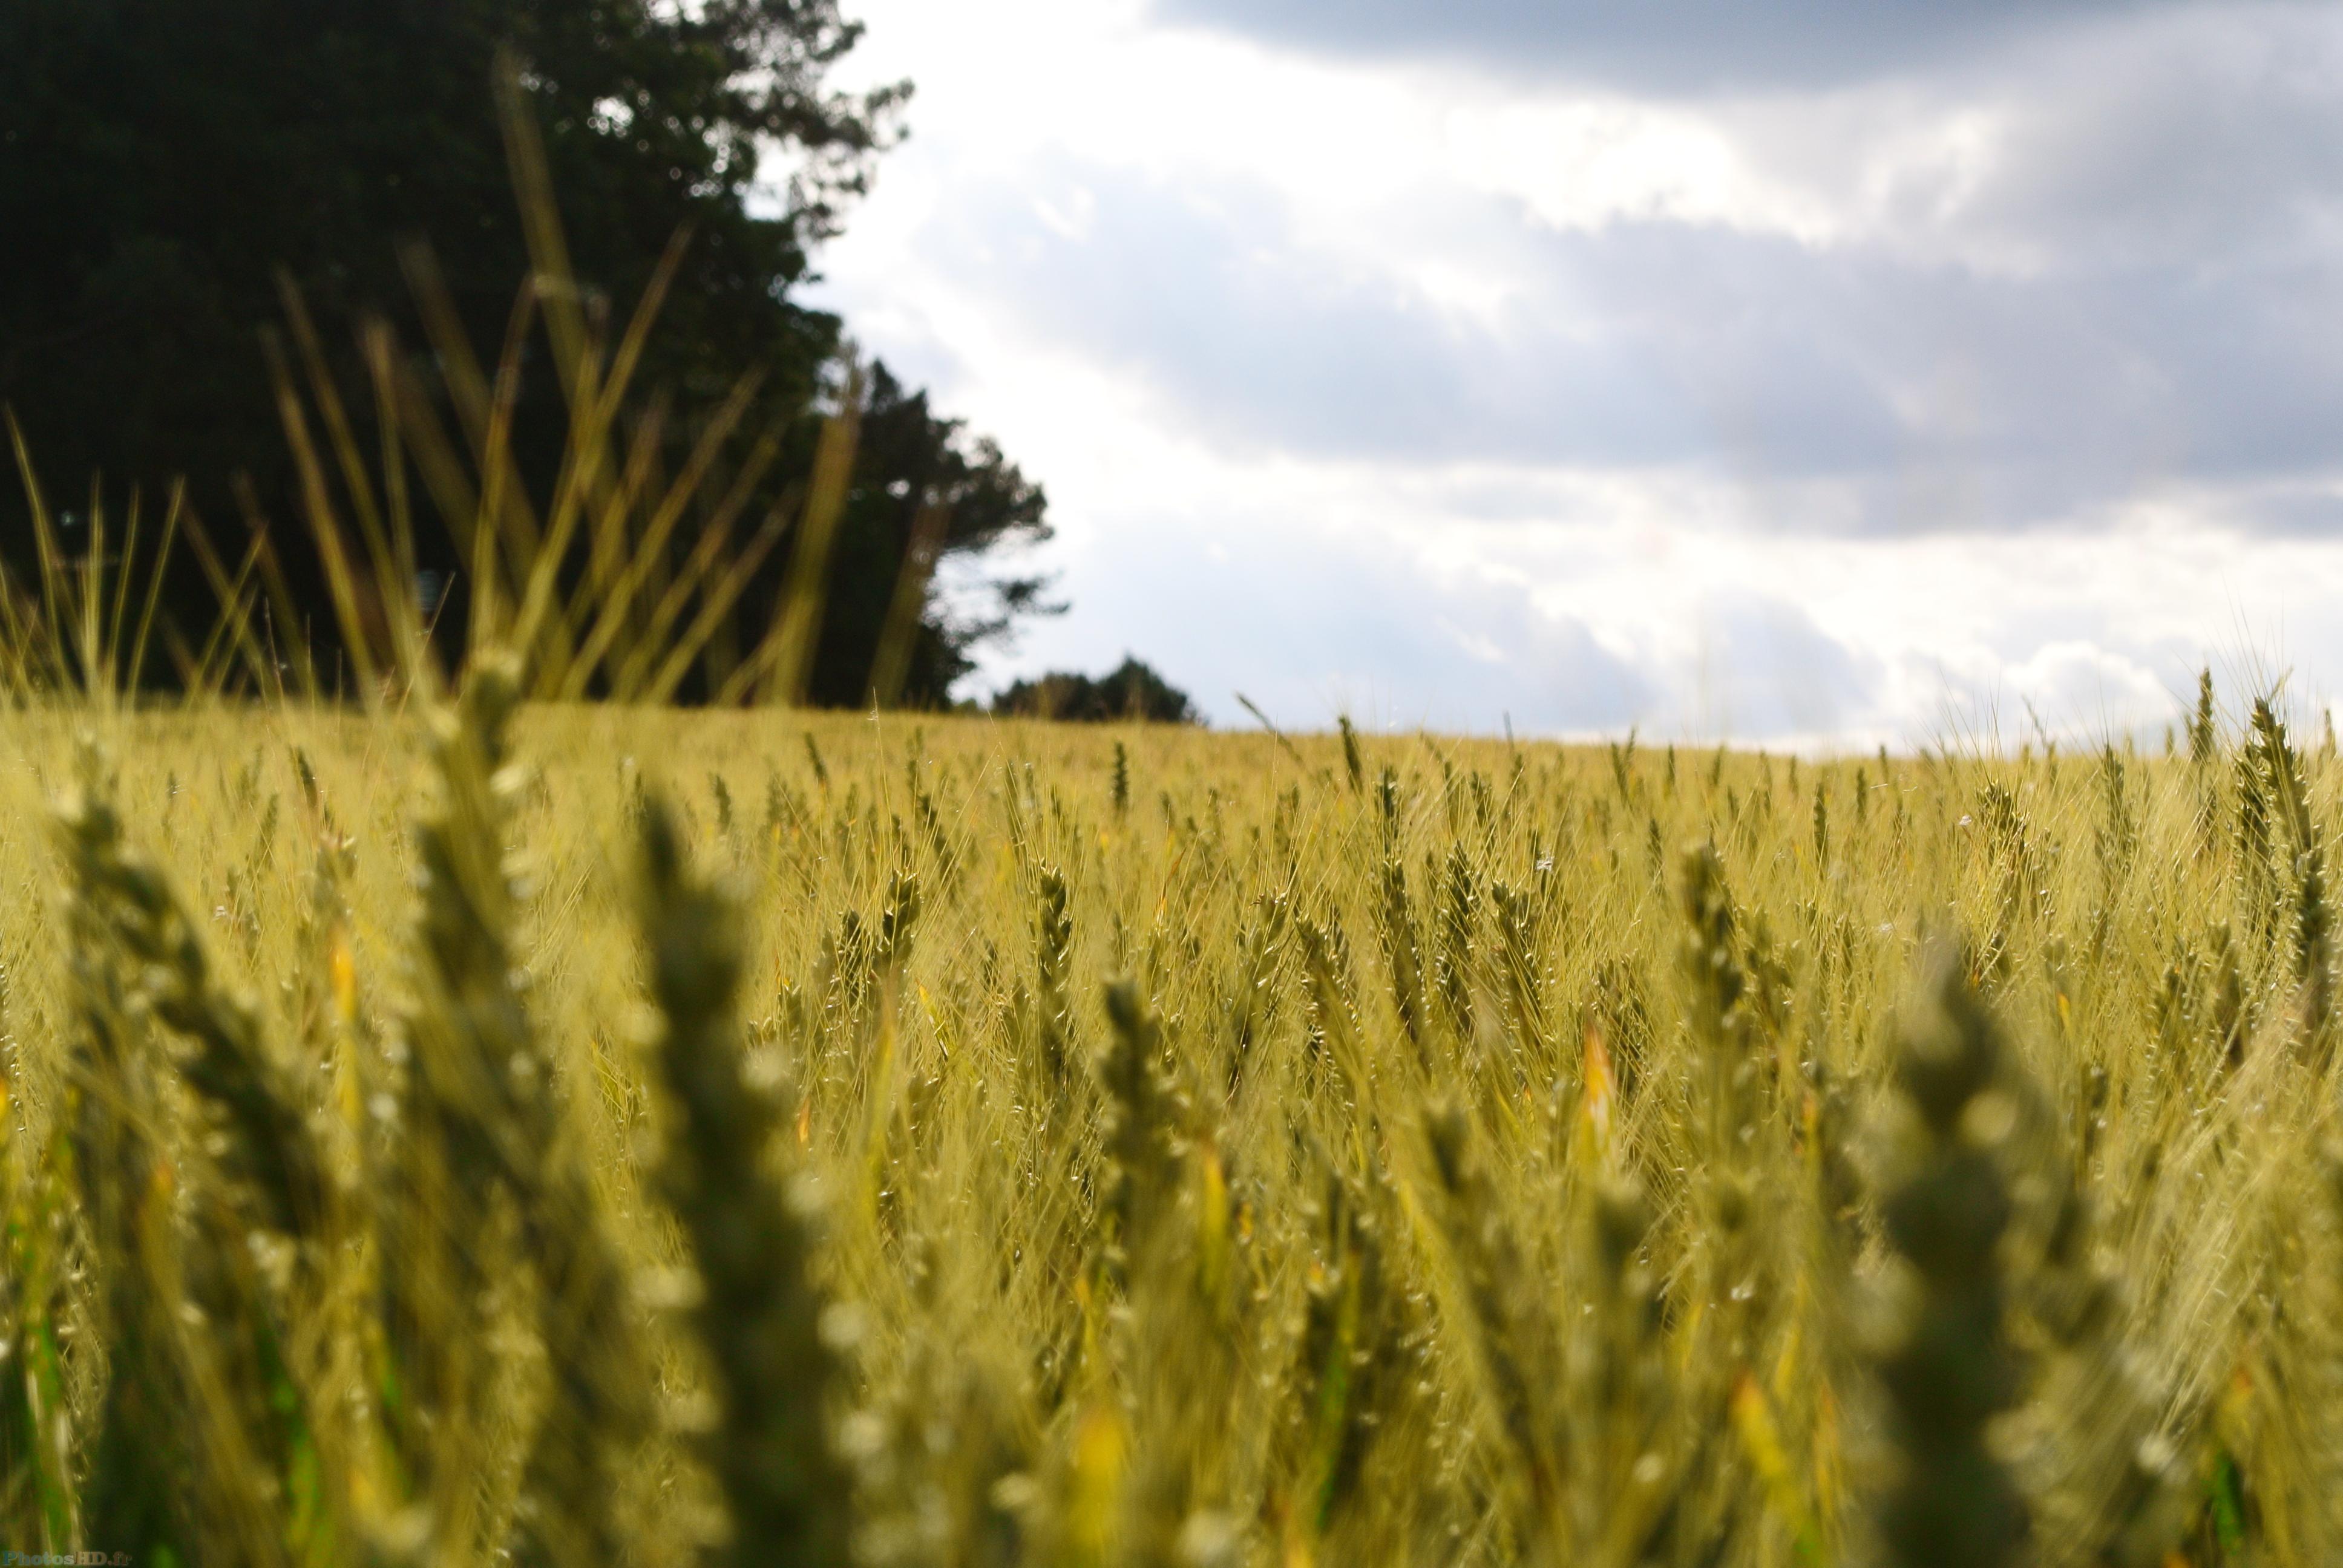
1822	409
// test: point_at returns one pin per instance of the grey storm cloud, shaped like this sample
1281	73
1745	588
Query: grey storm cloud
1945	395
1692	45
2203	138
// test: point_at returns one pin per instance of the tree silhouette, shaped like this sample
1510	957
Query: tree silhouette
161	160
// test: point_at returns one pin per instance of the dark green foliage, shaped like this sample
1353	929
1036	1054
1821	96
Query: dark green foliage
906	453
161	160
1131	690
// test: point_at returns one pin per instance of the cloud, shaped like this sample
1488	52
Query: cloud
1205	293
1312	621
1999	360
2203	138
1659	44
1768	670
1931	394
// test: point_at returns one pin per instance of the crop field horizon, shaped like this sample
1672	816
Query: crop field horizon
590	1134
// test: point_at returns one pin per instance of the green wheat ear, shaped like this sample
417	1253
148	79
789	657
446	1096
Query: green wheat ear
1946	1365
256	1409
486	1086
1509	1322
1053	958
139	1482
37	1481
1353	762
1142	1133
1343	1368
270	1146
760	1317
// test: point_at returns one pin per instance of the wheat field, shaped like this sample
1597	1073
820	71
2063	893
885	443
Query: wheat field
459	1124
502	1131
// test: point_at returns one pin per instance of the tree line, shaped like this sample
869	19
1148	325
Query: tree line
174	175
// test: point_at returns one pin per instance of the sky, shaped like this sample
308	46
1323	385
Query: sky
1828	373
